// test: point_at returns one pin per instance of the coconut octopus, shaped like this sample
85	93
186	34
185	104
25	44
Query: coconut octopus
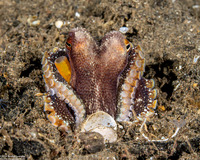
91	86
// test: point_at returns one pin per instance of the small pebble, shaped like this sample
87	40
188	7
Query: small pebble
161	108
91	141
36	23
195	85
59	24
33	21
123	30
195	59
195	6
77	14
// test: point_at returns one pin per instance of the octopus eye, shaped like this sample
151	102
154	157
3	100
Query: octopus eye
69	43
128	45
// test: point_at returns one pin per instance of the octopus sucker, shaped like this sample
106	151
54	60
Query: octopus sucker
152	105
153	94
48	107
150	83
91	86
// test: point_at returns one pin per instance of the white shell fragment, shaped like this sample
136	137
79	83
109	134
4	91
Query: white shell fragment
77	14
123	30
195	59
33	21
59	24
196	6
102	123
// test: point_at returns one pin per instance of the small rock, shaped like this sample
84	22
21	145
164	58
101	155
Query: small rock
196	6
77	14
92	142
59	24
195	59
33	21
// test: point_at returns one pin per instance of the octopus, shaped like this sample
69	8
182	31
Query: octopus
91	86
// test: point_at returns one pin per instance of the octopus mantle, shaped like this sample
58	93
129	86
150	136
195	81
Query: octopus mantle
92	85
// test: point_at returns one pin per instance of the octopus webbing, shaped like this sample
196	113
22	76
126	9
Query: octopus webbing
93	85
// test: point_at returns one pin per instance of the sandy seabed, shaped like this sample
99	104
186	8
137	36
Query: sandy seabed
167	31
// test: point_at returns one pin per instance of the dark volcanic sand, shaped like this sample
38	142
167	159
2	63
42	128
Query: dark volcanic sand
168	32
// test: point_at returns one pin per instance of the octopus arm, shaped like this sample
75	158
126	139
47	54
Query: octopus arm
136	96
64	108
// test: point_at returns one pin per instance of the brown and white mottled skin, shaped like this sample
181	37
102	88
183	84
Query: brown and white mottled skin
105	76
95	69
